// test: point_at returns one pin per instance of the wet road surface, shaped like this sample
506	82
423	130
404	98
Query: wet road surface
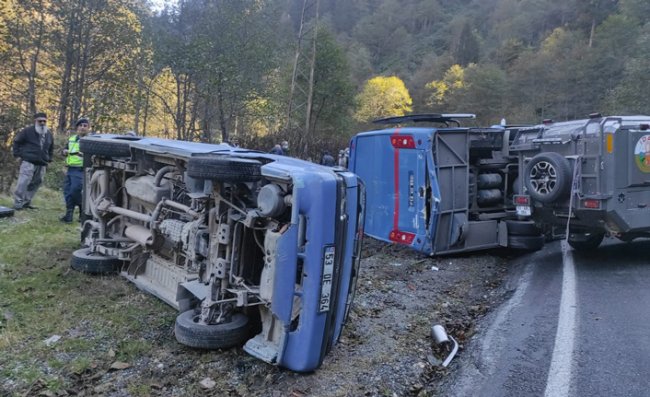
576	324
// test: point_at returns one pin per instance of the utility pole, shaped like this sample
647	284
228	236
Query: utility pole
302	78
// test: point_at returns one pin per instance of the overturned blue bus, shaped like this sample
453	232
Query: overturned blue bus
441	188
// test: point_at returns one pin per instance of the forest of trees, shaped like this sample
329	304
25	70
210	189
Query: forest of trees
218	70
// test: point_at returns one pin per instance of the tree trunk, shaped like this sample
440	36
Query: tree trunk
67	70
81	91
177	119
33	67
31	87
592	32
146	108
206	122
138	105
184	126
222	116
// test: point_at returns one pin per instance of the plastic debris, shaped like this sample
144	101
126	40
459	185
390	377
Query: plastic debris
120	365
52	340
207	383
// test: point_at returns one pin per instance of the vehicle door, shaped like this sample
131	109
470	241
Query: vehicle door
393	165
627	154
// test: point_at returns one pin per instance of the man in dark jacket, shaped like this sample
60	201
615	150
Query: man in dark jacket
277	149
327	159
34	146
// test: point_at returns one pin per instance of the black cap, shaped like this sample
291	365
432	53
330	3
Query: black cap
40	115
81	121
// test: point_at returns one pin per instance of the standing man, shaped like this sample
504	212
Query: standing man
285	148
74	176
277	149
327	159
34	146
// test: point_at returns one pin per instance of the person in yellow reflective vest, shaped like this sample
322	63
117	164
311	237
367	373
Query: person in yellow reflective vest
74	176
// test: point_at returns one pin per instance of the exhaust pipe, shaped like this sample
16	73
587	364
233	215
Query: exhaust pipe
139	234
440	336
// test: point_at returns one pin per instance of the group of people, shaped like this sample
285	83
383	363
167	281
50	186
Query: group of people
34	148
282	149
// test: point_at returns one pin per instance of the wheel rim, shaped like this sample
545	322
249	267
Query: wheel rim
543	177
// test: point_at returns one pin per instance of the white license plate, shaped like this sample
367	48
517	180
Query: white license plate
523	210
326	280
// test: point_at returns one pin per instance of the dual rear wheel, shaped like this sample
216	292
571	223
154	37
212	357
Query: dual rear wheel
524	235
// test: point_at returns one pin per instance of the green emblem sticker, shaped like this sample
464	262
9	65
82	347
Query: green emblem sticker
642	153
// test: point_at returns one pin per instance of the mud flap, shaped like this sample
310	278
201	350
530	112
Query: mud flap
503	234
458	227
190	291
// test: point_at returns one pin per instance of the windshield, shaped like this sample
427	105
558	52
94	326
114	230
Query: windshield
565	129
526	135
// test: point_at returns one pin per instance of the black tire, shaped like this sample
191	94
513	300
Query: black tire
522	228
214	336
585	241
528	243
85	261
6	212
547	177
516	189
225	169
106	147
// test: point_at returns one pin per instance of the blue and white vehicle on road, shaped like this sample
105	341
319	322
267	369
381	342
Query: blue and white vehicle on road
251	248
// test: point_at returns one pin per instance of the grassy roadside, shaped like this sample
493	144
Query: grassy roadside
100	320
117	341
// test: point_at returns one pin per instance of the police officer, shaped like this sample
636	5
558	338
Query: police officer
74	176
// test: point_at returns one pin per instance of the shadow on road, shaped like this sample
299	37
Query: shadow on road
616	254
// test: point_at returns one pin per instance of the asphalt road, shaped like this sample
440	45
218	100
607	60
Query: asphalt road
576	324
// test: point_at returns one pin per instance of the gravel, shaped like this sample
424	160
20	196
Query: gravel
385	349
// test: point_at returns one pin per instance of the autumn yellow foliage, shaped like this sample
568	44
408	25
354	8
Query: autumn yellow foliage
382	97
453	80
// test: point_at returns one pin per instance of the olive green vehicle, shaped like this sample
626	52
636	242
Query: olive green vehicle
591	176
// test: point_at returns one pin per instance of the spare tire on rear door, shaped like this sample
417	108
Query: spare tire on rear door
547	177
225	169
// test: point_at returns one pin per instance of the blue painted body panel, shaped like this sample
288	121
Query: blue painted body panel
317	330
303	345
355	196
396	181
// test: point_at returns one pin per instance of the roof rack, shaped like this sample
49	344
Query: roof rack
445	118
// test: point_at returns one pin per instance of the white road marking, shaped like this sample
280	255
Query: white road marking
495	341
558	383
495	337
